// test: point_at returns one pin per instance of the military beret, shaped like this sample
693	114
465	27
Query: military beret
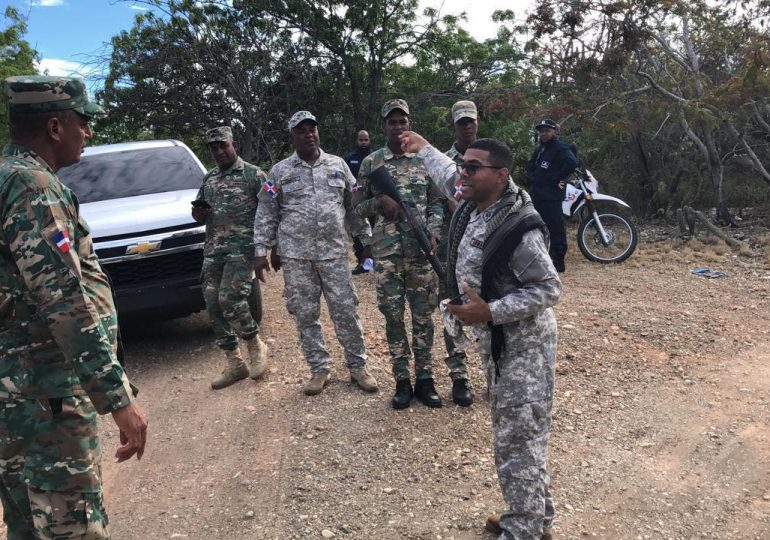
393	105
217	134
31	94
464	109
299	117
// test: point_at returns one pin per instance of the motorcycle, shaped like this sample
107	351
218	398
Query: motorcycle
603	236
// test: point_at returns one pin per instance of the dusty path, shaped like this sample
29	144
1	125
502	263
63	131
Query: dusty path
660	426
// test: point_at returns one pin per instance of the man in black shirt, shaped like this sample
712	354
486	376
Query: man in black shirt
353	159
551	164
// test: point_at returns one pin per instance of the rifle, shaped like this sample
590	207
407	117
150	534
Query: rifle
383	181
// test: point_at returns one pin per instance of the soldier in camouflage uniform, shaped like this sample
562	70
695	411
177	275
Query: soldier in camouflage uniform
403	273
303	207
58	326
230	191
466	126
498	258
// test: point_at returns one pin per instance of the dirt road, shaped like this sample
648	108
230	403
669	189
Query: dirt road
661	424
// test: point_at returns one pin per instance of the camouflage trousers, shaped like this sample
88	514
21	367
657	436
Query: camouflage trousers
50	477
226	289
521	431
456	359
400	280
304	282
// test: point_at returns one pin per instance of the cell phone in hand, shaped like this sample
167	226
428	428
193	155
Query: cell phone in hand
200	203
459	299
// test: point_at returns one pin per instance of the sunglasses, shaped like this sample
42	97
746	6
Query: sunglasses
473	168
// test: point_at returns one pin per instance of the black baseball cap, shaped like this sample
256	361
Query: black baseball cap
547	122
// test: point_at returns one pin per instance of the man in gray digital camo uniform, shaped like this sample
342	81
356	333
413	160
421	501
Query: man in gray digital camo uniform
303	207
230	190
498	258
58	326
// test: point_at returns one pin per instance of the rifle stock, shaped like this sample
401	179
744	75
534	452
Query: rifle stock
383	181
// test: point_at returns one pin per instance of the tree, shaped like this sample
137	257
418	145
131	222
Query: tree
17	57
676	59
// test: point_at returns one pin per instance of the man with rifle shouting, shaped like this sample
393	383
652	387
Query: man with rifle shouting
403	273
504	285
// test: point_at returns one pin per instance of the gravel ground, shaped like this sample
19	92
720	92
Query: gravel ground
661	422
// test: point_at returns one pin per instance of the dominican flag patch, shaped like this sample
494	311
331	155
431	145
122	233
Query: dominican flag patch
270	188
458	191
357	187
62	241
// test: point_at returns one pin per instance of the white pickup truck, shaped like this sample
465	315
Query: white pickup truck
136	199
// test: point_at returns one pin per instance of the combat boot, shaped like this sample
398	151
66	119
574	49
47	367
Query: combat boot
234	371
461	393
493	526
403	394
317	383
258	357
363	379
426	393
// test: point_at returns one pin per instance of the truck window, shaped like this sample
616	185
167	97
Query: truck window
130	173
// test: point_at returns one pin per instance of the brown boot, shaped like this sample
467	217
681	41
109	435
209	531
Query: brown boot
493	524
363	379
234	371
316	383
258	357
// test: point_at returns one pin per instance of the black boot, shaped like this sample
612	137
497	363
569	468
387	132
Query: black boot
558	263
461	393
403	394
426	393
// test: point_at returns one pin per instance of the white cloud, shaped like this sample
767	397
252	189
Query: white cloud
46	3
138	8
479	24
64	68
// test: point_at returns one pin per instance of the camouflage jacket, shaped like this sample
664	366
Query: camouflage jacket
58	323
304	208
454	153
530	286
414	184
232	195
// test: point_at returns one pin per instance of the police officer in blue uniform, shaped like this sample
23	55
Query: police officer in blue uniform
550	166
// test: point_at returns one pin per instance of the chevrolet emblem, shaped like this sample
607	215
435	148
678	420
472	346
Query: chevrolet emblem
142	248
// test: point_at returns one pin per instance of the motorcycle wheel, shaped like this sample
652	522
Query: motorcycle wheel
255	301
622	233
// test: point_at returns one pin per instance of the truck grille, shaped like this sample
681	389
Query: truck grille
145	271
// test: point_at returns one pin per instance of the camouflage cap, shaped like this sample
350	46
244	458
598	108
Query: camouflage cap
464	109
217	134
300	116
30	94
393	105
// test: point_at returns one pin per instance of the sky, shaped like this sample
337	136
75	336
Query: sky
71	34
